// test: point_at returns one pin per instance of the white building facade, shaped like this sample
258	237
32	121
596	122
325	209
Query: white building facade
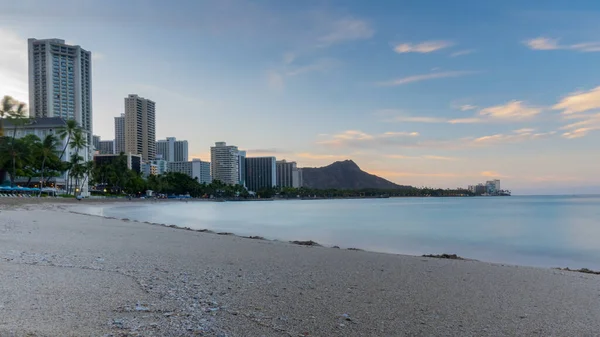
60	82
172	150
196	169
225	163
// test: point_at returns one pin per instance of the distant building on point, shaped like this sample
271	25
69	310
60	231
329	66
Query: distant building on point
225	163
288	174
261	173
172	150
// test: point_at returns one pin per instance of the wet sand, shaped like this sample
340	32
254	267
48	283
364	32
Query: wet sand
67	274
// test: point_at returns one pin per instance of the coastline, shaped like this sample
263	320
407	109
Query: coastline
163	281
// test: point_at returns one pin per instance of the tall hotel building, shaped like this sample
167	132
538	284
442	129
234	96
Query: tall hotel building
261	173
172	150
60	82
140	127
224	163
120	134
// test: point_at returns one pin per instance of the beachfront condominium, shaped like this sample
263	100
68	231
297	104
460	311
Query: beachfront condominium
224	163
120	134
196	169
261	173
172	150
242	167
288	174
96	142
140	127
106	147
60	82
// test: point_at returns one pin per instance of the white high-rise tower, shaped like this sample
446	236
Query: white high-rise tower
60	82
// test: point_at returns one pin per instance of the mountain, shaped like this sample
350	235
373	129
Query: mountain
343	175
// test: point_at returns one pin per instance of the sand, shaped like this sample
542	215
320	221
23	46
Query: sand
66	274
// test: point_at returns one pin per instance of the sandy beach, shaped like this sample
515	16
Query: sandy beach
68	274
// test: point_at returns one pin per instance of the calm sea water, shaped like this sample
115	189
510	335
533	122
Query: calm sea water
545	231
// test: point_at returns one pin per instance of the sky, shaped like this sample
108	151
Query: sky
423	93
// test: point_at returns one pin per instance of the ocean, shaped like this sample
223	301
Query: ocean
543	231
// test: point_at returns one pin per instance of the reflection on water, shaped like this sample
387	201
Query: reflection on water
547	231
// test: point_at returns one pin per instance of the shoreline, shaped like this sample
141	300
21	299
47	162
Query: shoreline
65	273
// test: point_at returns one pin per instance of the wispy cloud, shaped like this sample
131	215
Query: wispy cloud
515	137
346	29
467	107
513	110
417	119
582	128
425	77
544	43
469	120
462	52
276	78
359	139
423	47
318	65
492	174
580	101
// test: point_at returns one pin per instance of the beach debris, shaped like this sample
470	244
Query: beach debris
581	270
141	307
356	249
255	237
224	233
305	243
445	256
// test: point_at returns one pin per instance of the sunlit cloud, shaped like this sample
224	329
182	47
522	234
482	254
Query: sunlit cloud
580	101
544	43
511	138
426	77
467	107
423	47
513	110
390	173
492	174
578	133
524	130
309	155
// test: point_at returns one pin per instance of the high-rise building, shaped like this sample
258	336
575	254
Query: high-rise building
288	174
96	142
60	82
161	165
261	173
224	163
120	134
196	169
140	126
134	162
106	147
172	149
492	186
242	167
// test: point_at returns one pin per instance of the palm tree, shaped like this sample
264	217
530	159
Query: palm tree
67	132
17	118
6	107
77	143
47	149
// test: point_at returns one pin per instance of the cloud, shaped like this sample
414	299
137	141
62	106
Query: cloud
359	139
516	137
425	77
346	29
524	130
467	107
581	101
308	155
417	119
13	66
423	47
318	65
511	110
470	120
387	173
462	52
429	157
276	78
544	43
582	128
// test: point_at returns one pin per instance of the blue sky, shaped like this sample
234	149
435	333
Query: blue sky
434	93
